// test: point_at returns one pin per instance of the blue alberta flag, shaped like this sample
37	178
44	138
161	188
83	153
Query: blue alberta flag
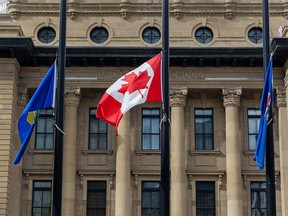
43	98
265	108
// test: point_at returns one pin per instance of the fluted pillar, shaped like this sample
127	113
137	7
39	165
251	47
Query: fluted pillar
178	175
283	147
231	103
71	102
123	170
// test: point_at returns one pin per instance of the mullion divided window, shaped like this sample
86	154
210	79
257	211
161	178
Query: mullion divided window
205	198
150	202
96	198
258	198
41	200
150	129
45	130
253	127
204	129
97	132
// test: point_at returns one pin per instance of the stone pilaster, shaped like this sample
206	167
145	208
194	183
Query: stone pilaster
71	102
283	146
178	174
9	73
231	101
123	204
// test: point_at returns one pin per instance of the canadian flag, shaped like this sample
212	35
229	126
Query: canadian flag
136	87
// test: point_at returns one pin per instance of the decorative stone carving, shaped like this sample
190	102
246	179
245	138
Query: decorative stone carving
72	97
281	97
73	10
178	96
230	8
231	97
22	97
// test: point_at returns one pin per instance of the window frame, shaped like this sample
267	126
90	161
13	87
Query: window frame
150	134
253	117
44	116
209	35
204	148
46	30
151	30
150	190
98	121
43	189
102	190
206	190
251	35
258	191
97	30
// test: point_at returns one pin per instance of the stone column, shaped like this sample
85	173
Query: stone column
123	170
283	147
231	103
71	102
178	157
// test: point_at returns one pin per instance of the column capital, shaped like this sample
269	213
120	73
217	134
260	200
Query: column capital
231	97
22	97
72	96
281	97
178	96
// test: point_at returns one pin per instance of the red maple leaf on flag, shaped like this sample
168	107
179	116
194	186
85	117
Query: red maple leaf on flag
134	82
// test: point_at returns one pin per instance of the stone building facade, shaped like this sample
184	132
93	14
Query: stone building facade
216	78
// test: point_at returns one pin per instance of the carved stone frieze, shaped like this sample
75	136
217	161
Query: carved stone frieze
72	97
231	97
281	97
178	96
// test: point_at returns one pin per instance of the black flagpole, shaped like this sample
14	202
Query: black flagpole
165	126
270	164
58	149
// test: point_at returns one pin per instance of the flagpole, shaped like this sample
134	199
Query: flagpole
270	164
58	149
165	126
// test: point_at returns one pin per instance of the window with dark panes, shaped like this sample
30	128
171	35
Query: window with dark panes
46	35
150	129
255	35
253	127
97	132
204	129
151	35
45	130
204	35
41	198
96	198
205	198
150	202
258	198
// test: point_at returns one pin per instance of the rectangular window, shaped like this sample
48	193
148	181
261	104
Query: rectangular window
150	202
204	129
41	200
258	198
97	132
45	130
253	127
151	129
96	198
205	198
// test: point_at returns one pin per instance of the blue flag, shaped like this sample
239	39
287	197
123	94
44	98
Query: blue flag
266	101
43	98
